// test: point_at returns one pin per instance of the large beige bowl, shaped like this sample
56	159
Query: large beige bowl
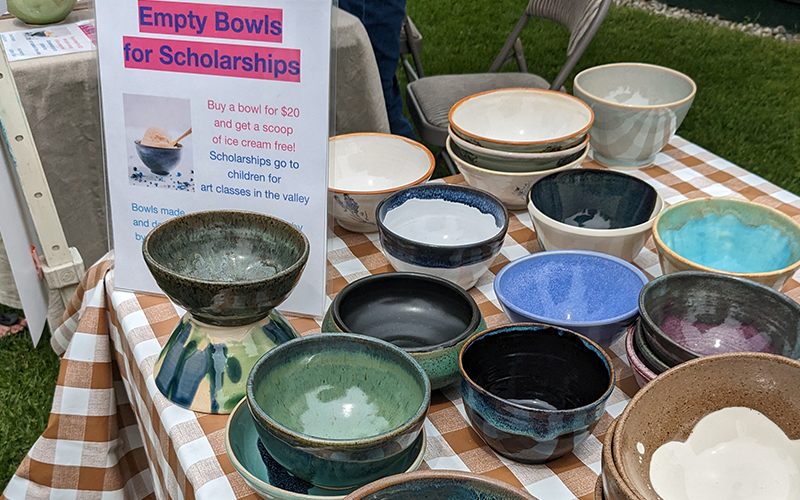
637	108
668	408
511	187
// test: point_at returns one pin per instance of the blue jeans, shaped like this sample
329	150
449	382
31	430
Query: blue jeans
383	20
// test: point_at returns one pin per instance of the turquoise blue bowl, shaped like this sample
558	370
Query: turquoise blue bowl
439	485
339	410
269	478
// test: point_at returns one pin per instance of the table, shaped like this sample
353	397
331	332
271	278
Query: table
111	430
60	97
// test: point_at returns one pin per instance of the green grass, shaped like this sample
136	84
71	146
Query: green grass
27	382
747	108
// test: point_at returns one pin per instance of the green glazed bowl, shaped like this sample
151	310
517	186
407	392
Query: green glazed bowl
429	317
40	11
339	410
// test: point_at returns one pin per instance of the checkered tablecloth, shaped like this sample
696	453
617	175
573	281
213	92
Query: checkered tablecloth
111	433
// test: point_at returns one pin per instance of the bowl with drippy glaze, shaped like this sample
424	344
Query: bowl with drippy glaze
692	313
446	230
439	485
533	392
339	410
588	292
590	209
365	168
730	236
429	317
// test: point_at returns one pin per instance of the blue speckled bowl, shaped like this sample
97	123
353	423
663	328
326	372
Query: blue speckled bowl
339	410
457	245
591	293
534	392
160	161
439	485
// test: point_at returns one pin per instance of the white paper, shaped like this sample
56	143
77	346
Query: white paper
48	40
260	125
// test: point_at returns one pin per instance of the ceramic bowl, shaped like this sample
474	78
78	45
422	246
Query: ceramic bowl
339	410
598	489
269	478
735	237
645	353
534	392
439	485
363	169
229	270
429	317
641	372
669	407
160	161
591	293
614	487
41	11
637	107
691	314
600	210
506	161
446	230
522	120
510	187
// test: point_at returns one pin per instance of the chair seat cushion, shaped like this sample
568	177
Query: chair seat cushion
435	95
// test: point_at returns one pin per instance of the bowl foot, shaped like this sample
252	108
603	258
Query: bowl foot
614	163
204	368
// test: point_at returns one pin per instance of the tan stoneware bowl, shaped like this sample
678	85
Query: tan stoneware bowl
614	488
598	489
669	407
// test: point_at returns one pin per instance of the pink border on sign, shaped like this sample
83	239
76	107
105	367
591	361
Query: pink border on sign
211	21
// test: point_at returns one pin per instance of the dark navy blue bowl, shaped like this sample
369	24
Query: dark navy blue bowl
596	199
160	161
534	392
592	293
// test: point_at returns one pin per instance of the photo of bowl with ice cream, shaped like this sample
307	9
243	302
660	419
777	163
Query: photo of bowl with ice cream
158	151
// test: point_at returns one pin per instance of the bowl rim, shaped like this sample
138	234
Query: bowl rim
498	236
250	477
300	263
633	360
577	85
661	246
607	456
529	90
475	317
545	219
538	327
520	175
459	476
705	275
138	142
416	420
511	155
668	375
415	144
501	296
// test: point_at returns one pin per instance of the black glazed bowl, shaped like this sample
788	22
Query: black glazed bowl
690	314
428	317
533	392
226	267
594	199
160	161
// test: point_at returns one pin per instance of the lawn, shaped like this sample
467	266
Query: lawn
747	110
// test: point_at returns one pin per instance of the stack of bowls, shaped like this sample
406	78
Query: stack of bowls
692	314
718	458
504	140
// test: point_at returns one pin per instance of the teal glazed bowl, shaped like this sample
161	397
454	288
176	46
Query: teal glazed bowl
533	392
429	317
339	410
439	485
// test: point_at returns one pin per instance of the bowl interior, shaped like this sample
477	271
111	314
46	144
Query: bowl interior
226	246
570	287
707	313
670	406
439	485
538	367
636	84
443	215
376	162
340	387
730	235
594	199
414	312
521	116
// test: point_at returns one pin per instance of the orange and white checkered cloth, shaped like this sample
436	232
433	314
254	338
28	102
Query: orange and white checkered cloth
112	434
